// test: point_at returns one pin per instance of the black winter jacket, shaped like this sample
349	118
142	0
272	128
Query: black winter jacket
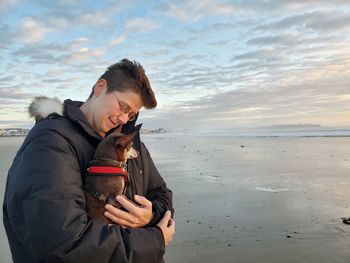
43	210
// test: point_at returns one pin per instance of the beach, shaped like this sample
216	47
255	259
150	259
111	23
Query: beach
247	199
8	149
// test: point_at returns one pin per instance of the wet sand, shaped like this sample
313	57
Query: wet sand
8	149
257	199
249	199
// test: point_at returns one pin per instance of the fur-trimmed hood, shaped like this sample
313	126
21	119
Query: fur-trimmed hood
42	106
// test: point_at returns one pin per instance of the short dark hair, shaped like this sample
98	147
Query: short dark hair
129	75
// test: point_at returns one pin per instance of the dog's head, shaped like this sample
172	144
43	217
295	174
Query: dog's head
117	146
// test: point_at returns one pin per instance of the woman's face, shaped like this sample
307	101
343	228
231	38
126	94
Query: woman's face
113	109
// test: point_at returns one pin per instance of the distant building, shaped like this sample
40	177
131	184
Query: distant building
147	131
14	132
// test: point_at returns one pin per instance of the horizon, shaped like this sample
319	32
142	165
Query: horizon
285	127
221	64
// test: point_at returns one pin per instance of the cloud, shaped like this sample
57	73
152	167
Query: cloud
117	41
7	37
76	52
159	51
258	7
266	54
192	10
336	22
297	5
83	55
78	43
7	79
15	93
295	42
319	21
32	31
6	4
141	25
100	18
59	4
283	39
222	43
59	16
94	19
40	53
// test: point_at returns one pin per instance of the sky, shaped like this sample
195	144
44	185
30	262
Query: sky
212	64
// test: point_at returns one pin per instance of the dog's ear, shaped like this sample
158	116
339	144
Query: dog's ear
137	128
115	132
125	139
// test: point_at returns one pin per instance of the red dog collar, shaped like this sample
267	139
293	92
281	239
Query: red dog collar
109	171
106	170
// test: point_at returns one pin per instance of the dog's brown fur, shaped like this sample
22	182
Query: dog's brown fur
117	147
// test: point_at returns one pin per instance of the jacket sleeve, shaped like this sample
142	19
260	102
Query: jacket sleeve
46	209
157	191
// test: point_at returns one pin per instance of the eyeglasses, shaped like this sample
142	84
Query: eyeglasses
125	108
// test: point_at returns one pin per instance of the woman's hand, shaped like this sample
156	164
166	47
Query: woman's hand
167	225
137	215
